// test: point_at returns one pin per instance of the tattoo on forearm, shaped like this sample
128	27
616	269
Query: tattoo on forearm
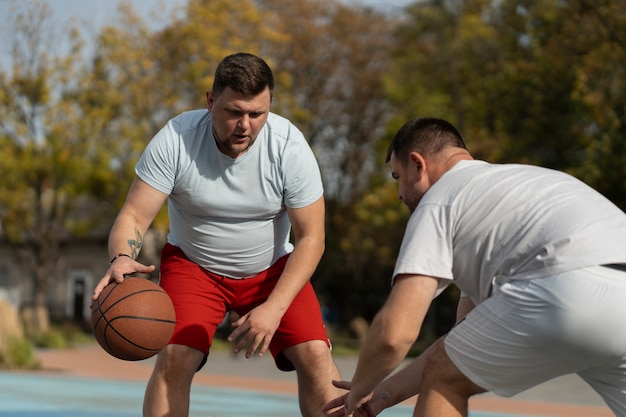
135	244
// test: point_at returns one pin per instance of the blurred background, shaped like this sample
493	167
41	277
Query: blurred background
84	85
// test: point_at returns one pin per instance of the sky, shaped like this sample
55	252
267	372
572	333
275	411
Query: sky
91	15
97	12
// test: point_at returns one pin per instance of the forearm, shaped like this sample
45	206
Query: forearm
141	206
307	224
394	330
407	382
298	270
126	237
386	346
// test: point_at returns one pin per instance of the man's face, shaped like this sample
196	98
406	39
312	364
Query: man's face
237	119
410	189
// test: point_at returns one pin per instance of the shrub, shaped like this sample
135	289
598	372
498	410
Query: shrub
19	354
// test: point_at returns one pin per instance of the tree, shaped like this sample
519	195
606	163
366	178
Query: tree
57	172
598	30
335	58
527	81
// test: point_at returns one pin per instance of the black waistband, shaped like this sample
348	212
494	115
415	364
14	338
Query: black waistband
619	267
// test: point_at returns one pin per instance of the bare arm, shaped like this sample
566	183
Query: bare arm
308	230
139	210
259	325
402	385
408	382
394	330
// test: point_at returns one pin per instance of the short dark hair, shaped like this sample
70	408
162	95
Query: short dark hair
426	135
245	73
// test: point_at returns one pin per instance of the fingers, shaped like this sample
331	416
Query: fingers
259	344
118	271
236	335
101	285
253	342
337	402
340	404
242	336
365	411
342	384
338	413
253	332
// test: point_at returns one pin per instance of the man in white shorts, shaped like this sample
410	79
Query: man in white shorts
541	255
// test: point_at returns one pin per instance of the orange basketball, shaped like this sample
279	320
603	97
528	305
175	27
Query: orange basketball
133	320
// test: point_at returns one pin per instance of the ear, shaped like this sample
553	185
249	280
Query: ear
418	164
210	99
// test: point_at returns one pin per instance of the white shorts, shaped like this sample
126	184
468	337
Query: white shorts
531	331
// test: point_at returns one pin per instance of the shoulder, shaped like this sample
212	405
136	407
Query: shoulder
184	131
190	120
282	129
188	129
476	170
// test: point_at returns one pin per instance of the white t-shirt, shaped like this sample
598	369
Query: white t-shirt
229	215
483	221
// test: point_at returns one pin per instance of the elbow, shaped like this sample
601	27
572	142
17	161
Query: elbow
396	337
398	344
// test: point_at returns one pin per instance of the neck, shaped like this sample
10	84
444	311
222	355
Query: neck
456	155
448	159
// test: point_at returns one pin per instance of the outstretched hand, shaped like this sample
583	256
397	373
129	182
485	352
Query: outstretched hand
370	408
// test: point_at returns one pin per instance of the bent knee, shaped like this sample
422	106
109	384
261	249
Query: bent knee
178	361
309	355
440	371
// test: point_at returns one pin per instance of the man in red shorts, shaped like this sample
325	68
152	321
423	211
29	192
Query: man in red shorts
237	179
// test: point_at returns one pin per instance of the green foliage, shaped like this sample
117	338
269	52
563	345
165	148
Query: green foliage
362	243
334	57
537	82
19	355
62	335
50	339
57	173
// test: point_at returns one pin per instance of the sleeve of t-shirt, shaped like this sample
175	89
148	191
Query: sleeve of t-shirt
302	178
157	164
427	245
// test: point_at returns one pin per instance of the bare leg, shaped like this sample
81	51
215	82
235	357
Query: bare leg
169	387
445	390
316	369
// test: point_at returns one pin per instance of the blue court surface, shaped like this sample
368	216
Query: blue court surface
44	395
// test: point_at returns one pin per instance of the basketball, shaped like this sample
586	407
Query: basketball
133	320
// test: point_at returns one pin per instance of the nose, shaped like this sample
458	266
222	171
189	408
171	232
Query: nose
244	122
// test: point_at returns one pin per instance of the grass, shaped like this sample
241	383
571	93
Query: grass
62	335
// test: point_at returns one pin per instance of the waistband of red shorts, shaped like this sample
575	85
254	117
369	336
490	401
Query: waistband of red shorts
276	268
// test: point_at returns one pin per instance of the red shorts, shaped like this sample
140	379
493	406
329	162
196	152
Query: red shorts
202	299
